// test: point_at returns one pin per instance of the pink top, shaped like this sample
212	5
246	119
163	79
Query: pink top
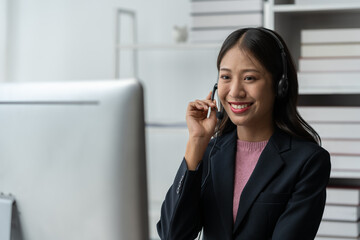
247	155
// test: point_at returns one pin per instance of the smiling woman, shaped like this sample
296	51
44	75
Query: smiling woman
263	174
246	93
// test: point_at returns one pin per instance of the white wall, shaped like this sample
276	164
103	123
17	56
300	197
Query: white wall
75	39
60	40
3	38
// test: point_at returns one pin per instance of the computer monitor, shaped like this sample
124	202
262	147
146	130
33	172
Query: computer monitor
72	155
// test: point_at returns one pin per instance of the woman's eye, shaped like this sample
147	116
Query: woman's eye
249	78
226	77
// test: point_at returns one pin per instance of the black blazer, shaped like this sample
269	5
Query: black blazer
284	198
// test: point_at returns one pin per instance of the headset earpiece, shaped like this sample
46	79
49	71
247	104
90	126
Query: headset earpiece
282	88
283	85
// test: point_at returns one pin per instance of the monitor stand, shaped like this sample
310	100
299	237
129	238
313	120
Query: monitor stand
6	207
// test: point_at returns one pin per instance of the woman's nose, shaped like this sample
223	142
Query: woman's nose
237	90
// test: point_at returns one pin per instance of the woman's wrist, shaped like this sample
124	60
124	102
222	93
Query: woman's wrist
195	150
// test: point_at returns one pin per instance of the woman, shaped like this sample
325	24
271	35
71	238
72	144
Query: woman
263	175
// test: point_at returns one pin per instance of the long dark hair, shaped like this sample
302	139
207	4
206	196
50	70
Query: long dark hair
264	47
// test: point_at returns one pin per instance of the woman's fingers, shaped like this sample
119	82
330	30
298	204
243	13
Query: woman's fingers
203	105
208	97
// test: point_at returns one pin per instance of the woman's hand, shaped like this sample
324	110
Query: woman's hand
200	129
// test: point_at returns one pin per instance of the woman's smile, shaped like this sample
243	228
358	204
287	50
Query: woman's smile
239	107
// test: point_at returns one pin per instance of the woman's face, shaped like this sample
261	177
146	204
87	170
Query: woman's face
245	90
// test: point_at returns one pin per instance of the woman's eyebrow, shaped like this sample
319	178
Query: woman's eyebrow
244	70
225	69
251	70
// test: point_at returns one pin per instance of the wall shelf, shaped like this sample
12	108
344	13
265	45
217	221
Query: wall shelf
345	174
329	90
294	8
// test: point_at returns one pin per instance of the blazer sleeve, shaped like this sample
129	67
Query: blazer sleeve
181	210
303	213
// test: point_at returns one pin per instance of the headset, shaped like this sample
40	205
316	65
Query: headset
283	85
281	92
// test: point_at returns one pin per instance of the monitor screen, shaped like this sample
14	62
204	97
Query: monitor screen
73	157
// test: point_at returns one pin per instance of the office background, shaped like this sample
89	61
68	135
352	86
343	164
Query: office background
71	40
75	40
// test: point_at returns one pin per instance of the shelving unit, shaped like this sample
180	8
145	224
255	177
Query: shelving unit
288	19
316	8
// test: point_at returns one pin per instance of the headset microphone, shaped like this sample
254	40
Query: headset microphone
219	114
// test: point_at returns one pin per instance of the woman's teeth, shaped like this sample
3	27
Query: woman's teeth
240	106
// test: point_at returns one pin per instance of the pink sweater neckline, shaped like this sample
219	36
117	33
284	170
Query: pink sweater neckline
247	156
251	146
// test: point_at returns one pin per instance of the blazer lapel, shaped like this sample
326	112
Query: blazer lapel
222	165
268	164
